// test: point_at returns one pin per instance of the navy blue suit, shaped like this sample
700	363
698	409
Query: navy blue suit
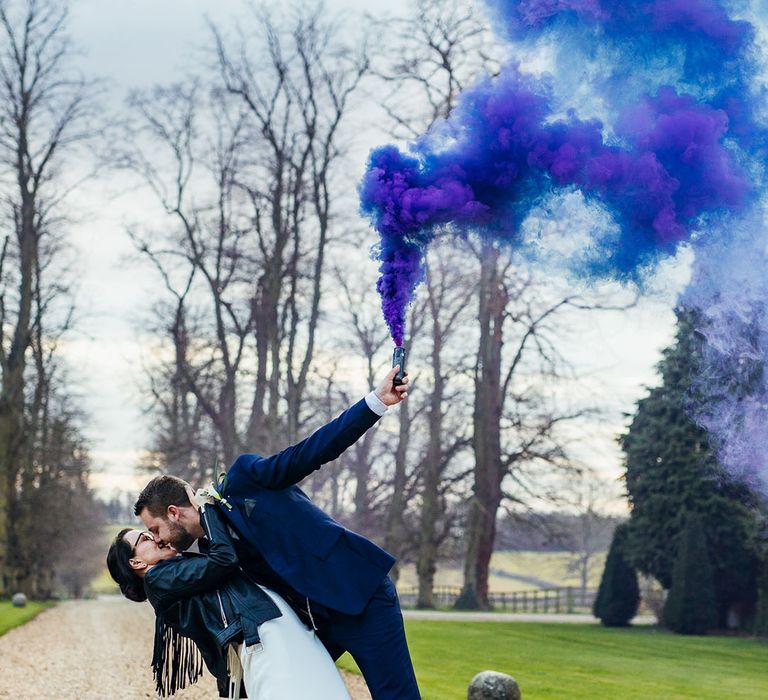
318	558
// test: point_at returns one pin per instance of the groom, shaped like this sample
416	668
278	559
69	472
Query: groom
334	578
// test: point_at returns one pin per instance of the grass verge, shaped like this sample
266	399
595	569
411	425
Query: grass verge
556	661
11	617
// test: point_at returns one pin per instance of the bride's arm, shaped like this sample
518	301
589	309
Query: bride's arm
186	576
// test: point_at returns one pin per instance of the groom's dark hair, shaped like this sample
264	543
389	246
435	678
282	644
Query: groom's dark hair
161	492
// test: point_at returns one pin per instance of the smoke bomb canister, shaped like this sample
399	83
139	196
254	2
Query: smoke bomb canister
398	358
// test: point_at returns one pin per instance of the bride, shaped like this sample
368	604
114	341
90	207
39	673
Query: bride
205	606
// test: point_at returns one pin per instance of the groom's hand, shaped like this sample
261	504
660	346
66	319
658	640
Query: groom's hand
388	393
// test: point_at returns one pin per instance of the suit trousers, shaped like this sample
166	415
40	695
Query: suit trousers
376	641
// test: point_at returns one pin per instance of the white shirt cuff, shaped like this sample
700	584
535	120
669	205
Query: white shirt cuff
376	404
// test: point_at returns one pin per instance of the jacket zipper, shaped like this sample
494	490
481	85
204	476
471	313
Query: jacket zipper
218	593
311	619
221	608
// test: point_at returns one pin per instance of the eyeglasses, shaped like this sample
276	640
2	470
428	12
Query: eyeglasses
142	536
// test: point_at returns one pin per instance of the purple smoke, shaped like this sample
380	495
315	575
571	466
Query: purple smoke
728	293
506	156
676	157
693	21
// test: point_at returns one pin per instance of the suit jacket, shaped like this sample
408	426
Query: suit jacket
304	546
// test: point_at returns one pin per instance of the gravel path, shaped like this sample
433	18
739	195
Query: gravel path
93	650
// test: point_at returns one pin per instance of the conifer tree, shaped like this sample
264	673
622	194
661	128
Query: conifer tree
690	606
761	613
761	616
619	595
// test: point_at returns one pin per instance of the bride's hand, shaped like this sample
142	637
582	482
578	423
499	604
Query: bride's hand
197	498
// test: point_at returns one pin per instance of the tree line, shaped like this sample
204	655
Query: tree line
47	118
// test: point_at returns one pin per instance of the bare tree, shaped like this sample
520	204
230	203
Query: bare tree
53	490
367	339
518	437
448	291
439	49
398	536
244	164
382	479
191	166
296	97
46	110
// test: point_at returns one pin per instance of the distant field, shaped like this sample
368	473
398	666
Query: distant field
110	531
11	617
513	571
103	583
510	571
585	662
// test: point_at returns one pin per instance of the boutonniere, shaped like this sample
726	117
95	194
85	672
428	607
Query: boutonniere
211	495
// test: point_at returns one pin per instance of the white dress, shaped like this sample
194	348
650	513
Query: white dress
290	662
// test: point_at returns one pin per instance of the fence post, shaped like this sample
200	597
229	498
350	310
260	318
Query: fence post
569	599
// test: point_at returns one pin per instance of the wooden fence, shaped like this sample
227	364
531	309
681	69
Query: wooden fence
567	599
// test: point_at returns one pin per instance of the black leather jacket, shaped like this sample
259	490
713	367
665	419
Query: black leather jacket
207	599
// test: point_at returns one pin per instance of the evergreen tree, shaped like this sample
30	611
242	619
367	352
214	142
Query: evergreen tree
671	470
761	547
619	595
761	616
690	607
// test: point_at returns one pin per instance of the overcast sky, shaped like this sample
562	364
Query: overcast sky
141	43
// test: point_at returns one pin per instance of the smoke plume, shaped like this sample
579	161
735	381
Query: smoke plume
654	113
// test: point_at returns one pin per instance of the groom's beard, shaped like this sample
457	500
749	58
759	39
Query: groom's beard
180	539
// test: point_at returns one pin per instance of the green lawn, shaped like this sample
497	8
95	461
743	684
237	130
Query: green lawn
568	662
11	617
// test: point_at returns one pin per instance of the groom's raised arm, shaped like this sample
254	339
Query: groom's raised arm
294	463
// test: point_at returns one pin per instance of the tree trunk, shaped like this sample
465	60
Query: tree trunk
263	420
12	432
395	534
488	473
426	564
227	417
362	470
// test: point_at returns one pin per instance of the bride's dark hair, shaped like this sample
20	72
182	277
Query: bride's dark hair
118	563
